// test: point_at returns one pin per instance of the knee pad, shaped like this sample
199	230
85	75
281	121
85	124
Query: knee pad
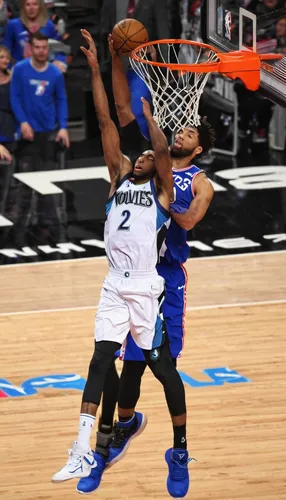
107	347
99	366
103	354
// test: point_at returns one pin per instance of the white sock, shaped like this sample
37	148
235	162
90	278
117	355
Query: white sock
86	423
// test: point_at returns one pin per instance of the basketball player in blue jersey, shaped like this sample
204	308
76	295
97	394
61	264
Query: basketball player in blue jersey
137	209
193	195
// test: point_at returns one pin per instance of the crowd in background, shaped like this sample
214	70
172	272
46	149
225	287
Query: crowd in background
40	56
45	90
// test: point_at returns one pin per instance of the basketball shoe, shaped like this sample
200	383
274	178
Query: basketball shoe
178	478
78	465
91	483
124	433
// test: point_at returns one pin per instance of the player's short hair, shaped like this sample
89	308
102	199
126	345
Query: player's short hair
38	36
148	152
206	135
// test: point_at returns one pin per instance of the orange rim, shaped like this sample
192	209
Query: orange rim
244	65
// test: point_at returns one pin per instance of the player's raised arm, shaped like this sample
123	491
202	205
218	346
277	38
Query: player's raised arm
163	163
203	196
121	91
117	164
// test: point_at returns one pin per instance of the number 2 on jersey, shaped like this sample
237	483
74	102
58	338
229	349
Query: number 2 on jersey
126	214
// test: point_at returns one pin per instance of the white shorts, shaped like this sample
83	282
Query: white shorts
131	301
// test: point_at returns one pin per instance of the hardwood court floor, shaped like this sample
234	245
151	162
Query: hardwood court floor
236	432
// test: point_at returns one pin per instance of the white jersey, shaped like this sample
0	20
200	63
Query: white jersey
133	227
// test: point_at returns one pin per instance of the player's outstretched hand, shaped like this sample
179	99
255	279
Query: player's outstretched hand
146	109
111	46
91	52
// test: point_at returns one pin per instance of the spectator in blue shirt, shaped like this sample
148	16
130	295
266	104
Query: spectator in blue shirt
33	18
38	95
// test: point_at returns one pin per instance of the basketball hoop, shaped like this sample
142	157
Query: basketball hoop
176	87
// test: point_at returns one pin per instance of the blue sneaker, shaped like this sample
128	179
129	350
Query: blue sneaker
89	484
178	479
124	433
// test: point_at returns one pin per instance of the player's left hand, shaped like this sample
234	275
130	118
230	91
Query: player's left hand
63	136
146	109
91	52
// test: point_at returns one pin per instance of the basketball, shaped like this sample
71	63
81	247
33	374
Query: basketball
127	35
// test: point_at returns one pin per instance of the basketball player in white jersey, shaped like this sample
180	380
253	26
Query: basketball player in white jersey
193	195
132	291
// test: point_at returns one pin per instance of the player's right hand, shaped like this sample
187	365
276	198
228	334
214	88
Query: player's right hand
91	52
146	109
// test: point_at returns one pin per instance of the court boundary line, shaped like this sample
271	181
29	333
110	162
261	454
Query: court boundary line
100	257
190	308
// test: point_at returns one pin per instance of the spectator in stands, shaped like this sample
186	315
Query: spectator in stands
38	95
4	154
39	102
7	120
13	8
33	18
262	7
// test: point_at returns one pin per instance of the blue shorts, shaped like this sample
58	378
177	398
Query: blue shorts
173	310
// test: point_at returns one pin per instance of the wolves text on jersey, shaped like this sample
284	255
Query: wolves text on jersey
142	198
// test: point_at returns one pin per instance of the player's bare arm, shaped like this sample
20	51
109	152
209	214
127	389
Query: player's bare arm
163	163
203	196
121	92
117	164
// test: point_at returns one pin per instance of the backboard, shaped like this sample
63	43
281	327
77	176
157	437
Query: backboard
258	25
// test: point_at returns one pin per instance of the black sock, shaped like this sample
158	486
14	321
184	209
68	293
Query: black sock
180	440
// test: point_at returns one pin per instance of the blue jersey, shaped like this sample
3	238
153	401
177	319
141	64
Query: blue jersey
175	249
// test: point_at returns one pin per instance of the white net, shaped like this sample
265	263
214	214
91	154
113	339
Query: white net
175	94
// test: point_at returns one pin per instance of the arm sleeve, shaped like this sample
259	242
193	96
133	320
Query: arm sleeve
61	102
15	95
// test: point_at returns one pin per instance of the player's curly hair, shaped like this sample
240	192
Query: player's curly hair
206	135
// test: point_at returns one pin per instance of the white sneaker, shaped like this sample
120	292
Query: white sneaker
78	465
